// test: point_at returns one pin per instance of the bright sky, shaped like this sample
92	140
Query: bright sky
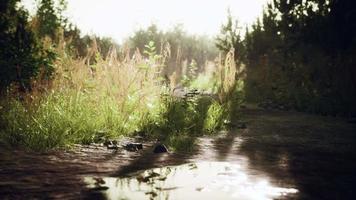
119	18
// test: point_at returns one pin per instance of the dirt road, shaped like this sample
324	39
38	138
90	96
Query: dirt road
314	155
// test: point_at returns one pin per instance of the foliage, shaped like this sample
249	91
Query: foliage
49	18
184	48
230	38
300	55
215	117
191	74
22	56
75	89
107	99
84	104
205	82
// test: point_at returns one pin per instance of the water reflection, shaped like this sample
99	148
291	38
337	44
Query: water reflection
205	180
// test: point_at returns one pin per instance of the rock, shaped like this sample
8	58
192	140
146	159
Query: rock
160	148
111	144
133	146
107	142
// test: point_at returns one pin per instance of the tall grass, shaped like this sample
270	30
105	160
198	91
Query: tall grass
95	98
85	102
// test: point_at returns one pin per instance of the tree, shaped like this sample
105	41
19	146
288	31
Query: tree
50	17
230	37
183	47
21	55
302	55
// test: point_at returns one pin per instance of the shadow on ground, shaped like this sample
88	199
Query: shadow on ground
316	154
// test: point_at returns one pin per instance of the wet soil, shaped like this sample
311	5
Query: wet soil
313	154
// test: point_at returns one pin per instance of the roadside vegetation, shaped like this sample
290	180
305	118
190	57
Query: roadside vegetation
112	98
300	55
74	95
59	87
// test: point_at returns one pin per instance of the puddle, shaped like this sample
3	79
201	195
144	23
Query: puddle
204	180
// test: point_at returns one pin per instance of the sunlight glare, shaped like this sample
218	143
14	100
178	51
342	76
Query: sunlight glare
118	19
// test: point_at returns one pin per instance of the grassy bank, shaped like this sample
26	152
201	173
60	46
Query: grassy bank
93	99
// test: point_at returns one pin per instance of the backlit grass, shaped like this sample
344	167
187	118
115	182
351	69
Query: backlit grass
113	97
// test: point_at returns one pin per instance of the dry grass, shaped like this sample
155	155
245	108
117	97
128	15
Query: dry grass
95	98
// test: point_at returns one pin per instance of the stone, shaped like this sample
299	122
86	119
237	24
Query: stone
111	144
160	148
133	146
107	143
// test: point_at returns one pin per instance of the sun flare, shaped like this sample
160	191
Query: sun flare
118	19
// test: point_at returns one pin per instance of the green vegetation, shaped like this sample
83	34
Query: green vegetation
59	88
22	56
301	55
88	89
92	103
184	49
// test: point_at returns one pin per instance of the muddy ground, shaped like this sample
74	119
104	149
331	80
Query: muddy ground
315	155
